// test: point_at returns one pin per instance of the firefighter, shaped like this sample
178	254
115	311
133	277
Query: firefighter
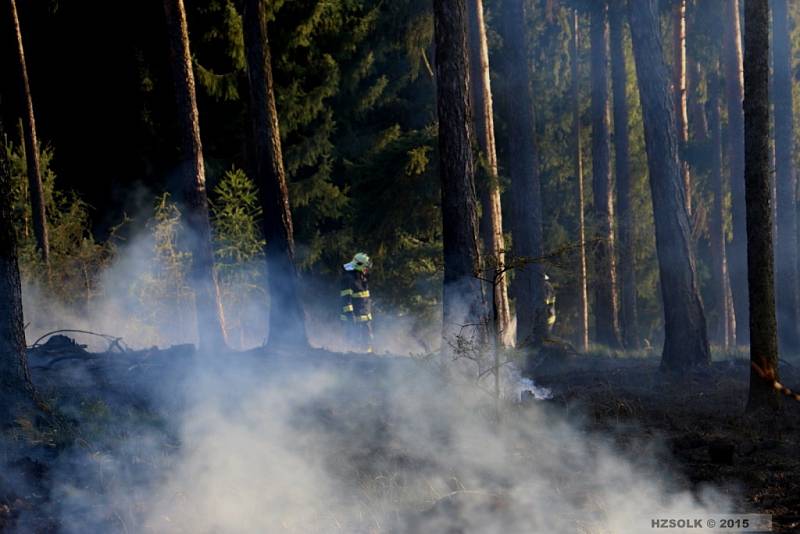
356	312
549	304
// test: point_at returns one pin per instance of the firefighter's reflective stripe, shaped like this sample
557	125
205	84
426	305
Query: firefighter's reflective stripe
361	295
551	320
345	292
347	308
344	317
550	301
364	318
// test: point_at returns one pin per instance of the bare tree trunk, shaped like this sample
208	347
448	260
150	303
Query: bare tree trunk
286	318
786	182
462	300
760	275
685	337
719	262
737	249
16	391
210	322
491	224
627	274
731	310
523	169
679	92
606	302
35	188
577	162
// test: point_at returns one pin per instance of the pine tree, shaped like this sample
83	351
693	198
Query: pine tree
491	223
462	292
627	270
685	338
680	94
576	149
526	204
210	322
35	189
760	259
720	329
16	390
606	306
287	323
734	95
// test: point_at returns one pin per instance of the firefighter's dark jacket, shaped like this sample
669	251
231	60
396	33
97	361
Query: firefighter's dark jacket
355	296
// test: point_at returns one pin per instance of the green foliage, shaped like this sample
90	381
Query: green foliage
239	246
235	213
222	33
162	294
77	259
162	291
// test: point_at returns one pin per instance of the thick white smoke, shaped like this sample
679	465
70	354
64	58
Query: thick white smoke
261	442
323	443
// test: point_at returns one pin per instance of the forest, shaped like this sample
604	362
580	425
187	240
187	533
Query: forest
370	266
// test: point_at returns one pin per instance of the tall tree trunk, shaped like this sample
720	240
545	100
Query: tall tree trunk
606	302
679	93
760	276
491	224
523	169
16	391
462	302
734	91
577	164
210	323
685	337
627	273
786	182
719	262
286	320
35	189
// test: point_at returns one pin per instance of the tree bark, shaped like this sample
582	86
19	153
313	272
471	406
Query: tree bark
760	276
35	188
737	249
210	322
577	163
685	337
606	302
16	391
627	274
286	318
679	93
462	302
786	182
491	224
525	186
719	263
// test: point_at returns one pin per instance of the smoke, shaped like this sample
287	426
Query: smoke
319	442
274	442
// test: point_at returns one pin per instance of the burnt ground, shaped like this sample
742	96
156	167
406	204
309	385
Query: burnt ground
103	399
701	419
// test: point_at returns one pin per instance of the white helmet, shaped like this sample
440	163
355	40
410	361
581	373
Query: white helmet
359	262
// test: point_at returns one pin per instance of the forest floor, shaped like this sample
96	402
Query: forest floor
61	478
702	421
